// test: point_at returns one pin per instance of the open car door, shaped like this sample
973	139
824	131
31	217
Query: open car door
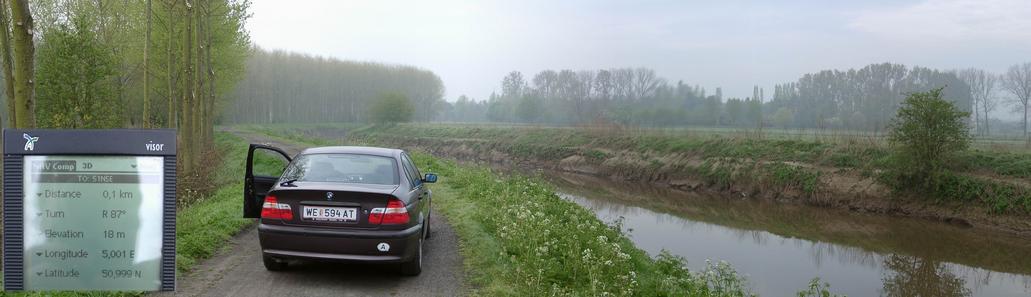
264	166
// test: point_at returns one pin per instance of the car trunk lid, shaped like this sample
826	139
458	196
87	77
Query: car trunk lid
320	204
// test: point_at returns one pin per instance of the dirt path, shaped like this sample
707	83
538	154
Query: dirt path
237	269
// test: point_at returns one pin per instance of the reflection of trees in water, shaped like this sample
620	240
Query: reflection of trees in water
818	251
913	276
846	255
979	278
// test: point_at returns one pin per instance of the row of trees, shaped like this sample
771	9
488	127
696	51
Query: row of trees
862	99
985	89
289	87
106	64
633	96
855	99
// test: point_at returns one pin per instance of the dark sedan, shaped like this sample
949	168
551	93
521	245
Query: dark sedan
342	203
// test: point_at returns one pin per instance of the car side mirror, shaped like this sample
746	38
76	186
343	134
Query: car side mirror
430	178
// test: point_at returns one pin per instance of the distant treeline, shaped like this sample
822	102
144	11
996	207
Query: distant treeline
283	87
863	99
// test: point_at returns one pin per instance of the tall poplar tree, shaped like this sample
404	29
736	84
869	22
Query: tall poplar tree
23	64
146	72
5	50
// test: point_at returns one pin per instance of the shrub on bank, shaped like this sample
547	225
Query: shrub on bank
927	135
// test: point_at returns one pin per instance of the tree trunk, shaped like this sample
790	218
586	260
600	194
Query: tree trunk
987	132
199	98
199	88
171	120
5	50
23	64
146	73
186	128
211	83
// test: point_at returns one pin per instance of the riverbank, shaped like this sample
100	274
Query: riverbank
858	253
993	192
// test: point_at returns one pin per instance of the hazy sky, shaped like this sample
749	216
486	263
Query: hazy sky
472	44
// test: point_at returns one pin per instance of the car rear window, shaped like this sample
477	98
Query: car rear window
343	168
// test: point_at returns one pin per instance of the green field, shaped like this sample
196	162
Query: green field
989	177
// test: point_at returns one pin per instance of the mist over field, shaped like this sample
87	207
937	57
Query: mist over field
682	62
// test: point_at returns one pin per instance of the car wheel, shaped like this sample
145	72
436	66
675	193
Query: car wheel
273	264
428	215
414	266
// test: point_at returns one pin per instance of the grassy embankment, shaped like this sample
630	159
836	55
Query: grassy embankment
518	238
991	179
204	225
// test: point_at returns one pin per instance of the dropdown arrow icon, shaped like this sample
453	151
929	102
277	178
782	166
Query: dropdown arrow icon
133	165
39	214
39	254
40	194
39	273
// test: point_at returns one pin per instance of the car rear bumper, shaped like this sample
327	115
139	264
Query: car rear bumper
340	245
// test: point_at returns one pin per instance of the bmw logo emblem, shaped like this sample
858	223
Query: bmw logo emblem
329	195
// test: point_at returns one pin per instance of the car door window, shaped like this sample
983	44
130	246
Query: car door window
415	170
266	162
408	175
413	175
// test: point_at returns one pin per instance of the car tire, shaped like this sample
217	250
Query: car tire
273	264
414	266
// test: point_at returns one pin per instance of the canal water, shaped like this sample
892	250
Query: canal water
780	247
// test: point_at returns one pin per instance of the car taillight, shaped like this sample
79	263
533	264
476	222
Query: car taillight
394	214
272	209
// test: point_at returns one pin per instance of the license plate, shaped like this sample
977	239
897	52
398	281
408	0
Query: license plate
330	214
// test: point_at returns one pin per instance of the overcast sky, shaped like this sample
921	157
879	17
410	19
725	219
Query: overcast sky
472	44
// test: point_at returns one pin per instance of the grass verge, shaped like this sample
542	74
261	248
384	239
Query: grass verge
202	226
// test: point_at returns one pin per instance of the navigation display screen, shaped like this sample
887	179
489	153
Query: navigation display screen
93	222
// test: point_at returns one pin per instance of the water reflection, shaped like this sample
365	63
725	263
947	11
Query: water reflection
780	247
912	276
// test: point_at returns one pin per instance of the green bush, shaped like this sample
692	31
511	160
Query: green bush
926	135
392	108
